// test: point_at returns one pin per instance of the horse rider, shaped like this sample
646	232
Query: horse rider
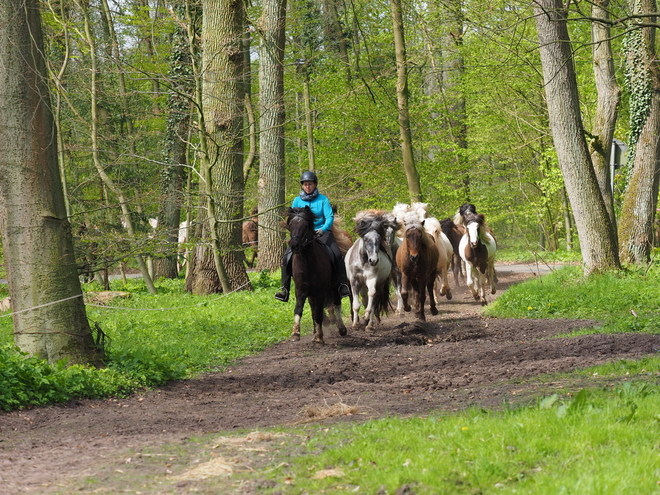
320	206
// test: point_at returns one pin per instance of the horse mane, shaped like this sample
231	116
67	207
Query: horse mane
474	217
465	208
421	209
306	213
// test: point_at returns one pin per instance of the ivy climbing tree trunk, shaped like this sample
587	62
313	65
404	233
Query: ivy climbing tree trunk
176	149
49	314
641	196
595	230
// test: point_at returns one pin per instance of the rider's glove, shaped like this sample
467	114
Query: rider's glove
319	232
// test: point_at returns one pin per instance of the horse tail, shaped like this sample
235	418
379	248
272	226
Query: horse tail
382	302
344	241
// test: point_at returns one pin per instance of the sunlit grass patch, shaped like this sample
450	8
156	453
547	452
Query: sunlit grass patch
622	301
589	444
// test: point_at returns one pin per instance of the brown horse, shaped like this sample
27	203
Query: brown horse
250	236
417	259
312	274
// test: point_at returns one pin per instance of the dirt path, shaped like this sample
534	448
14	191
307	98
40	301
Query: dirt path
455	359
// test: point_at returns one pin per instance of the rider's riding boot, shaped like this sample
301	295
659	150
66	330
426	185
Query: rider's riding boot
344	290
283	293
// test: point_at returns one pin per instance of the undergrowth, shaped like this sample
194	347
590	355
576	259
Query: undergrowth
150	340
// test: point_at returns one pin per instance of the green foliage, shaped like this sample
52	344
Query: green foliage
592	442
155	339
622	301
28	381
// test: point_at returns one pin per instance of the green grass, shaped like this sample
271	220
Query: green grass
524	255
601	442
622	301
598	441
151	339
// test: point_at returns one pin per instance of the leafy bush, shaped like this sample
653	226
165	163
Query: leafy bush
29	381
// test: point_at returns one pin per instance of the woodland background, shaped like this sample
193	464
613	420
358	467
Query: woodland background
476	97
128	81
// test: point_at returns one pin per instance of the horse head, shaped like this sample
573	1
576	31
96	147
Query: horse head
300	222
474	224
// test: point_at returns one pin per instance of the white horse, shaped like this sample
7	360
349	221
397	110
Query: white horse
369	265
445	253
477	249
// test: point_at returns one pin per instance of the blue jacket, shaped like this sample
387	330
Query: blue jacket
320	206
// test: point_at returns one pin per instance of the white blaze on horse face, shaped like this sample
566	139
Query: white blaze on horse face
473	233
371	246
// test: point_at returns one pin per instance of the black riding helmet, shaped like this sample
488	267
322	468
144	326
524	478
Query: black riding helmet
309	175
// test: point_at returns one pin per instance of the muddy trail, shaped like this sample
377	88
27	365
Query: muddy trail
452	361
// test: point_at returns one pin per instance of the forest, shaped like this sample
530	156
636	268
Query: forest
203	112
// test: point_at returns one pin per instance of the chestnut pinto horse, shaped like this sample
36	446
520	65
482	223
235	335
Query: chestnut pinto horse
417	259
312	274
477	248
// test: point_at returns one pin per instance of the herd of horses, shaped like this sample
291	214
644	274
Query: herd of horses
404	248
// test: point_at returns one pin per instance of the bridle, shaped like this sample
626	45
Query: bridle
304	240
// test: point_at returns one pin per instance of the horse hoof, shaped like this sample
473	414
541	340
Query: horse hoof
318	341
420	316
343	331
295	337
449	296
434	311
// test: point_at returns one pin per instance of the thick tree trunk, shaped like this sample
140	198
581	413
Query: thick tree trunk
271	138
607	105
595	230
414	186
640	200
223	104
49	313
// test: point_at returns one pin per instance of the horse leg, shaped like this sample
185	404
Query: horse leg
369	310
492	276
297	312
355	290
404	293
432	303
481	287
445	290
317	315
336	311
420	289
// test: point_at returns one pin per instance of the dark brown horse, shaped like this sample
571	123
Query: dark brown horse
312	274
417	259
250	236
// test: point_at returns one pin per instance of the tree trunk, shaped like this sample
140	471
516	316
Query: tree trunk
595	230
609	95
414	186
271	138
640	199
176	154
49	313
223	104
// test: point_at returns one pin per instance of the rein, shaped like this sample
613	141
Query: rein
304	240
